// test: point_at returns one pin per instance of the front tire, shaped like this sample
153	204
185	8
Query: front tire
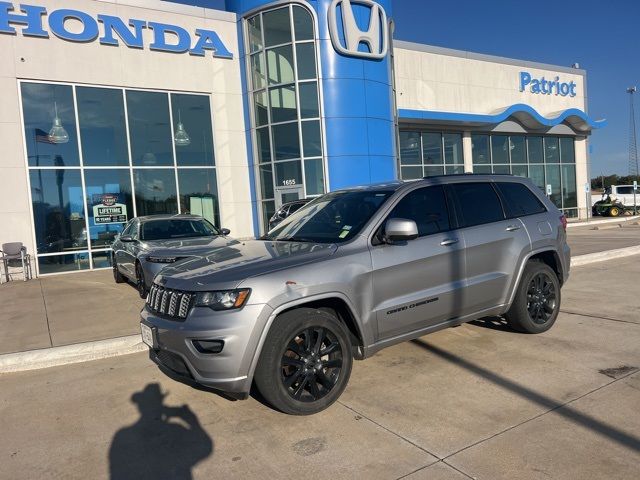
537	301
305	362
614	212
117	276
141	284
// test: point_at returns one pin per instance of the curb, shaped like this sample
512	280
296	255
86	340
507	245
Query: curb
601	221
68	354
606	255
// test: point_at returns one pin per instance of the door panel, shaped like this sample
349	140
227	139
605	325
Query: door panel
417	284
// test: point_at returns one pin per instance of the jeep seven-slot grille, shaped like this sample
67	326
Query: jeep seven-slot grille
168	302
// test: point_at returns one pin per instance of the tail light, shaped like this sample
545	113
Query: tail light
563	221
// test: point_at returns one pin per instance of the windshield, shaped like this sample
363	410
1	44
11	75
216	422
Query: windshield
332	218
176	228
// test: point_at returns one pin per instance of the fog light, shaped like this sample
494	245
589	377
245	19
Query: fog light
208	346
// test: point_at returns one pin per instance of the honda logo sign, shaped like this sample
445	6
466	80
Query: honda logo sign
376	37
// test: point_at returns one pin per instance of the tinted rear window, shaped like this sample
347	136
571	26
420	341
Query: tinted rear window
519	200
624	190
476	204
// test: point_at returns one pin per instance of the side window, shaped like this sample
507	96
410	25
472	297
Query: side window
519	200
128	229
625	190
134	230
295	207
427	207
476	204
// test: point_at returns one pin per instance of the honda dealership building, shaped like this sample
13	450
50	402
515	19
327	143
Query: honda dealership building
123	108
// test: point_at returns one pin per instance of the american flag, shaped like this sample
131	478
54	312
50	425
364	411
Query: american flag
42	136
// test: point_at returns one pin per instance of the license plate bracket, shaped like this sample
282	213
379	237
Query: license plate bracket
148	335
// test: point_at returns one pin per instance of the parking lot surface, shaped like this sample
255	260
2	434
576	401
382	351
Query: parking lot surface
477	401
584	239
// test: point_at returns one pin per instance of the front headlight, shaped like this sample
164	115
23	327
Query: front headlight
153	259
223	300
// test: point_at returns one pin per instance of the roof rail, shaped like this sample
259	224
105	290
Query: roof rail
468	174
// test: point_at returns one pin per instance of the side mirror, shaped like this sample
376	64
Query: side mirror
127	239
225	231
400	230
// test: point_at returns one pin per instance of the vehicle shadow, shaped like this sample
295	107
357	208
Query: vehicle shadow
165	442
566	411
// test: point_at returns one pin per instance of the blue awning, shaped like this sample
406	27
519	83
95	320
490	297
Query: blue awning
525	114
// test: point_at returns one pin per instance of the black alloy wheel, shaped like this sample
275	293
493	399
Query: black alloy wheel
311	364
541	298
140	281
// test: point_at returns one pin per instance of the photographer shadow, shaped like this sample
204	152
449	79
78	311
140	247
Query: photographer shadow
165	442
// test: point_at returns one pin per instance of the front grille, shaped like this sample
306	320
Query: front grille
171	361
170	303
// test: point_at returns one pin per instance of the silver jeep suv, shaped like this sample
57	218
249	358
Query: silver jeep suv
352	272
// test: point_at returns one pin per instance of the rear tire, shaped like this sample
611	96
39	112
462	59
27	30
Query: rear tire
141	284
614	212
305	362
537	301
117	276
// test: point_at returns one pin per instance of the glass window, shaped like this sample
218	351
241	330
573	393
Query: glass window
482	169
536	154
280	65
255	33
149	128
277	27
553	178
155	191
314	176
480	149
425	206
518	145
476	204
193	132
519	170
58	210
286	141
453	148
266	180
499	149
536	174
569	188
410	149
176	228
431	170
199	193
311	139
567	150
260	106
109	204
268	210
283	104
264	145
454	170
50	125
551	150
63	263
102	126
309	100
288	173
101	259
502	169
302	23
306	55
620	189
258	71
519	200
432	148
411	173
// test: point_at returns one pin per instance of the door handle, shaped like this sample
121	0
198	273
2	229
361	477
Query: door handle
513	228
449	241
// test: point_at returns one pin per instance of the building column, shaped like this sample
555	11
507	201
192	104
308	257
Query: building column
582	176
467	152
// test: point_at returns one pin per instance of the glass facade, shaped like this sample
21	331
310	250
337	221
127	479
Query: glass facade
100	156
425	154
286	118
547	160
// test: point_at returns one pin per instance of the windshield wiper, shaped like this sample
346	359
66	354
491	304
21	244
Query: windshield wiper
293	238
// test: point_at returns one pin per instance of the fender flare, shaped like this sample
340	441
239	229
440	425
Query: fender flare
525	260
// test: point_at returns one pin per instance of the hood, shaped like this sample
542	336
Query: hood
226	267
185	246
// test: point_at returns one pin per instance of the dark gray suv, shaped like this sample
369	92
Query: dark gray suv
352	272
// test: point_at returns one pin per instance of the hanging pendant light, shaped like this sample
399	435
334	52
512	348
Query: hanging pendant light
57	134
181	137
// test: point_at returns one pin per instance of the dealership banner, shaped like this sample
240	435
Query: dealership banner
106	209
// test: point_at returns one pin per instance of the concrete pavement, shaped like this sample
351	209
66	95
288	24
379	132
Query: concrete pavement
584	239
478	401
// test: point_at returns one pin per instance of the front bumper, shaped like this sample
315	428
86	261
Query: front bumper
228	371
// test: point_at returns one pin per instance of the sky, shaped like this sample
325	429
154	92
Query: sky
602	36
